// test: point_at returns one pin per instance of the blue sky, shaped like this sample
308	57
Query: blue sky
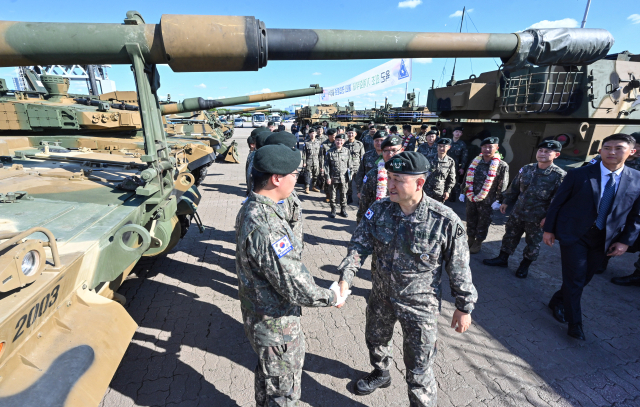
408	15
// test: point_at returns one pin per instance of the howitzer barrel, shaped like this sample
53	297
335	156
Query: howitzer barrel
199	43
249	109
194	104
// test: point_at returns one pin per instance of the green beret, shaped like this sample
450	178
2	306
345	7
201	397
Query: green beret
551	145
457	128
340	127
341	136
406	127
408	162
261	138
432	132
380	134
391	141
490	140
276	159
281	137
331	131
259	130
312	130
445	141
424	127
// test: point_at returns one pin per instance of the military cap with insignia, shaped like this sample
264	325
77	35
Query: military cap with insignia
341	136
391	141
408	162
281	137
351	129
380	134
432	132
331	131
276	159
445	141
261	138
312	130
490	140
551	145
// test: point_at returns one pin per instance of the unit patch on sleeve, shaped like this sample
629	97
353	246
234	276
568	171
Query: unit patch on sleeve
364	179
368	214
593	161
459	231
282	246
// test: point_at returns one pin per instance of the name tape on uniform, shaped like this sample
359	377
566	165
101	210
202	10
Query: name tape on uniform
282	246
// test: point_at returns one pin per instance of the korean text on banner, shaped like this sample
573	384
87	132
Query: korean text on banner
392	73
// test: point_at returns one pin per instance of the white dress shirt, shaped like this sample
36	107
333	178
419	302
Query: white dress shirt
604	177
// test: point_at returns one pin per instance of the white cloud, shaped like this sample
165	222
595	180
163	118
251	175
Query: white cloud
201	86
564	23
417	89
409	3
635	18
371	94
316	73
255	92
458	13
423	60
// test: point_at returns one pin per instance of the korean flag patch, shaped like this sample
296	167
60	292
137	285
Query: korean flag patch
282	246
593	161
368	214
365	179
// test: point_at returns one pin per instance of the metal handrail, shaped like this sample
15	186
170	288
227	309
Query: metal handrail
15	237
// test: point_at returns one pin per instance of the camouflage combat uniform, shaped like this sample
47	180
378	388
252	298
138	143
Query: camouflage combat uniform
460	155
248	168
441	178
428	151
357	151
367	142
337	167
422	138
324	149
409	254
367	192
531	191
479	213
369	160
311	157
272	285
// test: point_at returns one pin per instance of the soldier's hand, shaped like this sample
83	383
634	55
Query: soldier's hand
503	209
328	181
548	238
460	321
344	287
304	165
542	222
359	195
617	249
445	196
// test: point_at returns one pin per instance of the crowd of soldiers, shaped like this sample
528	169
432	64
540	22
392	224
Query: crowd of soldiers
408	237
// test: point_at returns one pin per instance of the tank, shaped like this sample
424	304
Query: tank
73	228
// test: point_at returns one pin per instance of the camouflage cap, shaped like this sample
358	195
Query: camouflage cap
380	134
261	138
331	131
277	159
551	145
408	162
445	141
391	141
490	140
281	137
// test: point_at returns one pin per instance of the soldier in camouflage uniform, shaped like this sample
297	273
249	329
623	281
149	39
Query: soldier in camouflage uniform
273	283
370	159
442	172
531	191
390	147
429	148
357	151
422	135
320	134
412	237
409	141
261	134
326	145
367	139
479	212
460	155
337	167
311	162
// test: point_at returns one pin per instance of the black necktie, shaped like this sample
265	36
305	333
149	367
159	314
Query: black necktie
606	202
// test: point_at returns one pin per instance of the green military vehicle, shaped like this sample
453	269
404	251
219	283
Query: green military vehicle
71	232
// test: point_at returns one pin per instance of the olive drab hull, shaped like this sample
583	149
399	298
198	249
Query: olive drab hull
101	211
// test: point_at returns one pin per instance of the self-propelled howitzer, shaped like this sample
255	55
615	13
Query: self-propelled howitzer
55	312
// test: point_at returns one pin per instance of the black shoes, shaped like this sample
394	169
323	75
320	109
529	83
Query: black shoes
343	213
558	311
501	261
349	200
575	331
333	213
633	279
523	269
372	381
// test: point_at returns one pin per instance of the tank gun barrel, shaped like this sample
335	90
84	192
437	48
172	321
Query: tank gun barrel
195	104
201	43
248	109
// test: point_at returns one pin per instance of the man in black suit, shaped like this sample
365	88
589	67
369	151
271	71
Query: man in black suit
594	214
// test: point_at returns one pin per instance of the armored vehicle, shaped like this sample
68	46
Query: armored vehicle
72	231
577	103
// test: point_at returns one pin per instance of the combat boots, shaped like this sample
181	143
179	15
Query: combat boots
476	247
306	190
349	200
333	213
372	381
501	261
343	212
314	189
523	269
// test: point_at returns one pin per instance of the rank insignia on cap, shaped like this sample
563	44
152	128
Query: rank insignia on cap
397	164
368	214
364	179
282	246
459	231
